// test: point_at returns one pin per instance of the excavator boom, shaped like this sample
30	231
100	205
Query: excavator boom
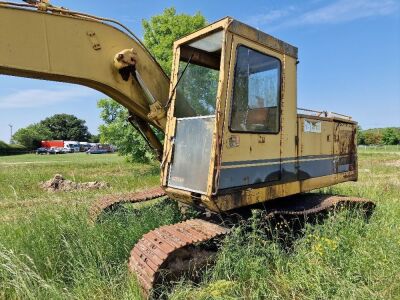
60	45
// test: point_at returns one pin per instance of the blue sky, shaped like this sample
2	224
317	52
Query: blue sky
349	52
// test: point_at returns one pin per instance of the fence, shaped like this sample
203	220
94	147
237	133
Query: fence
379	148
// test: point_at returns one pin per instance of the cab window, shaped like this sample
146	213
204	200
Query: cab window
256	92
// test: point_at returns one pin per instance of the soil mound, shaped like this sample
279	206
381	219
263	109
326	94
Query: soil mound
58	183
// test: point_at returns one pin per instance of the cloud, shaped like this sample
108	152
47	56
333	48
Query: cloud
339	11
347	10
270	17
42	97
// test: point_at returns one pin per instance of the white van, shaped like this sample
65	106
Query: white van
71	146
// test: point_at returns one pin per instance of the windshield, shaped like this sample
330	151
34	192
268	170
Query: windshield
196	91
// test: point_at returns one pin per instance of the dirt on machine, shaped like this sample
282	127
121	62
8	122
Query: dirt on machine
234	136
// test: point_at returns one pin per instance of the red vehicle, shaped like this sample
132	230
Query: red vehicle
49	144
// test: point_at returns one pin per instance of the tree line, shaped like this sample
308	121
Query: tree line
379	136
57	127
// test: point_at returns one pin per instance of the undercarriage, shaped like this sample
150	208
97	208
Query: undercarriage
169	252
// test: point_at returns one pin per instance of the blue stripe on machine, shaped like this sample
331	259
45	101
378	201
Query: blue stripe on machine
248	162
234	174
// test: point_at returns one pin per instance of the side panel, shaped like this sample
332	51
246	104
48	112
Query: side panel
316	148
326	150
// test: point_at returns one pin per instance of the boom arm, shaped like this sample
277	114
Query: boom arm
60	45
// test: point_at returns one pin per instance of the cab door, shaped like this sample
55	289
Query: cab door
251	151
344	147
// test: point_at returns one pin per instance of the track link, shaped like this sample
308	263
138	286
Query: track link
153	251
107	202
310	204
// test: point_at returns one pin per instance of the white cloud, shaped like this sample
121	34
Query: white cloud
348	10
42	97
338	11
270	17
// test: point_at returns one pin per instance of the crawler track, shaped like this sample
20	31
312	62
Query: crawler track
107	202
153	253
177	247
311	204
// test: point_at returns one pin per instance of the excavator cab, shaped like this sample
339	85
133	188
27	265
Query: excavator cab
231	77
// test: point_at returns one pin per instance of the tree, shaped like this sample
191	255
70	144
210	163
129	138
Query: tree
161	31
32	135
372	137
390	136
66	127
94	138
57	127
120	133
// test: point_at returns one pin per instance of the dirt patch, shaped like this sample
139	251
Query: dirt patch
58	183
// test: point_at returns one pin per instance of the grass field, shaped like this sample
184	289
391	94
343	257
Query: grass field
49	251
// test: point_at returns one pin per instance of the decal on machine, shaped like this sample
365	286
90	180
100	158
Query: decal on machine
312	126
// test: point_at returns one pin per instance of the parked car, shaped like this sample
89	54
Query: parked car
41	150
56	150
68	150
95	150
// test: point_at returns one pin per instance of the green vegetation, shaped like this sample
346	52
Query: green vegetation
66	127
10	149
117	131
49	251
57	127
31	135
379	136
161	31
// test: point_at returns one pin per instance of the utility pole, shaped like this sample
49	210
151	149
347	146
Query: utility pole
11	132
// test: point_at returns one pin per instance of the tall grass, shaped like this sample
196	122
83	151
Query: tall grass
58	255
343	258
49	251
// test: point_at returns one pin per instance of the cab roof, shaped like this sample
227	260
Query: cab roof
244	30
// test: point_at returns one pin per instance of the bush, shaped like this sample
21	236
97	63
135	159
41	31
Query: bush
6	149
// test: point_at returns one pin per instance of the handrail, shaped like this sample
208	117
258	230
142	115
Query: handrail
326	114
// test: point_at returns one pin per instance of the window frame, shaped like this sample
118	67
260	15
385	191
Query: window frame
233	94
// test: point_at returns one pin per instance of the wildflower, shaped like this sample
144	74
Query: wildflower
323	245
220	289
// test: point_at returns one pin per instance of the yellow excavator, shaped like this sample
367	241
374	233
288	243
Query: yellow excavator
234	137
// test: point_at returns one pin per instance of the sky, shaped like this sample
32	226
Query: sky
349	53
